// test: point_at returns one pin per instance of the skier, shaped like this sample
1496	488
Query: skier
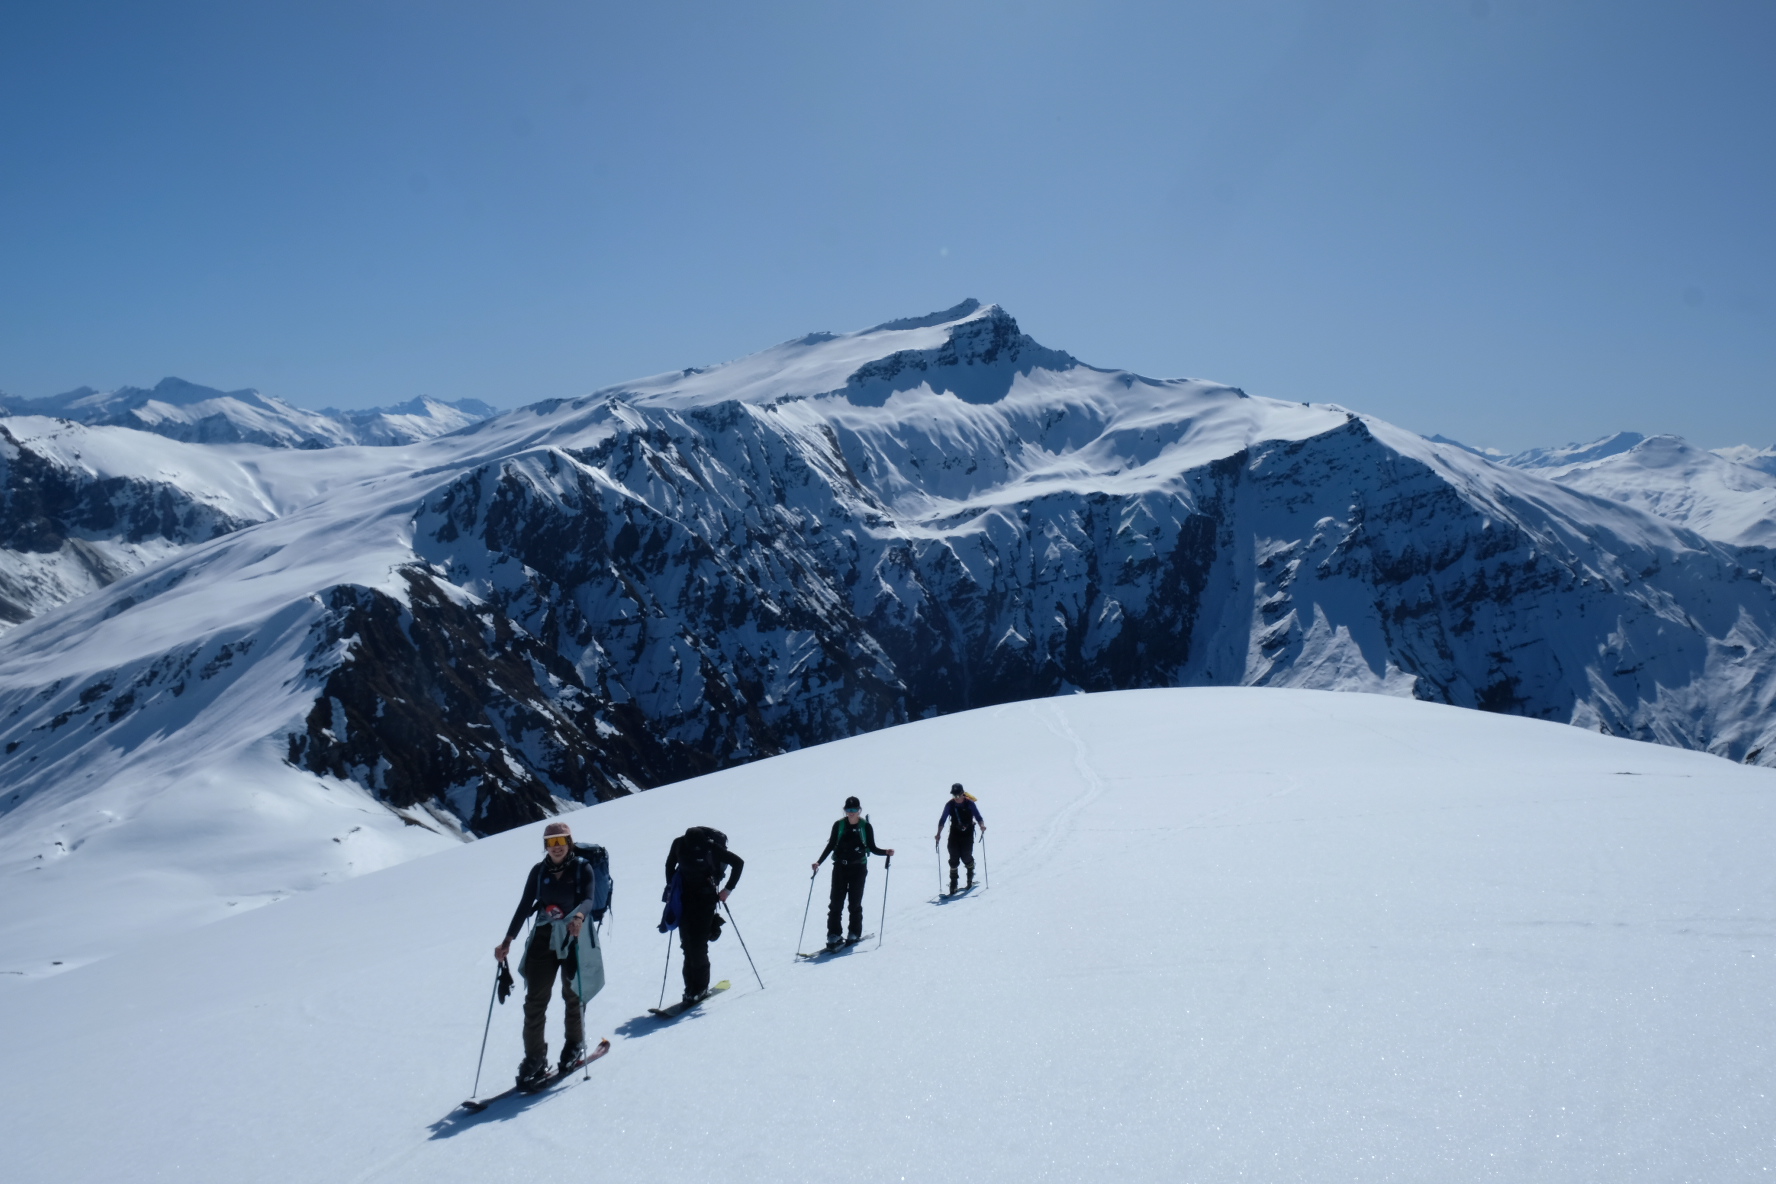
962	814
559	891
693	874
852	842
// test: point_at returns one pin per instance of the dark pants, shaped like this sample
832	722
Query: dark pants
847	881
695	923
961	850
540	968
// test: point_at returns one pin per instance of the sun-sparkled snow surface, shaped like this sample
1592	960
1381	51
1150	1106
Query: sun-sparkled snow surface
1231	934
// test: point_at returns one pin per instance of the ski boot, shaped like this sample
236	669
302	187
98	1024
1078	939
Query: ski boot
970	879
533	1071
833	942
952	891
853	939
572	1055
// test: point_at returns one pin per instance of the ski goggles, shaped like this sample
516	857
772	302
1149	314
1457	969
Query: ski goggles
557	840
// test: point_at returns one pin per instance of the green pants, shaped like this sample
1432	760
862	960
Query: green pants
541	968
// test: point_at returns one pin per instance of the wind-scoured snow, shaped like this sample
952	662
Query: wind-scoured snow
583	598
1230	934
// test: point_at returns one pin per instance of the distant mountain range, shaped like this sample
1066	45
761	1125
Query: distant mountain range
82	506
181	410
1728	494
583	598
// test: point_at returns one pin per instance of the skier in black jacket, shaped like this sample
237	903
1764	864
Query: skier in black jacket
559	891
697	859
962	815
852	842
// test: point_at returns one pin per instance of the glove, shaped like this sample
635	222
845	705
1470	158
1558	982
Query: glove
505	983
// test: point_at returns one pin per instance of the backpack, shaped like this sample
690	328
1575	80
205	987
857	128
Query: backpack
602	885
700	859
862	830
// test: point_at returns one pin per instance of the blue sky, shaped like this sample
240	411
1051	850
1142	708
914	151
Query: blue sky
1517	222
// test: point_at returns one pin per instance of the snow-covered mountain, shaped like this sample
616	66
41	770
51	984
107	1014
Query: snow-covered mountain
1762	459
86	499
1717	496
584	597
185	411
1727	494
1614	444
82	506
1231	934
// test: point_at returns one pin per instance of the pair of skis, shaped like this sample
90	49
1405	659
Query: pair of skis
476	1105
843	947
684	1005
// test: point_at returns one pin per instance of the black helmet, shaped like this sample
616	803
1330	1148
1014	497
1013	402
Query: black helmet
957	788
851	803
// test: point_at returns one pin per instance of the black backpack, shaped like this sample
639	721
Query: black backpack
700	858
602	885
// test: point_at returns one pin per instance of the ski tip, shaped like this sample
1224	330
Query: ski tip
722	986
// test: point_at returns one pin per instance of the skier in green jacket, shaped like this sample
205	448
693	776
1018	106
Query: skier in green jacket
852	842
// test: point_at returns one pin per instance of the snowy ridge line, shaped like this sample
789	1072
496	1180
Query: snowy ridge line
1728	494
185	411
585	598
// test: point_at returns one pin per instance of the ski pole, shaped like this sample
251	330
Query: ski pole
666	968
939	857
743	949
986	876
882	926
803	932
485	1028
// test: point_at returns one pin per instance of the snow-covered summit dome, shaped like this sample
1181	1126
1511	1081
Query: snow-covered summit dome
972	350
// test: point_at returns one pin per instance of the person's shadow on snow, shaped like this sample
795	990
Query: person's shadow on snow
501	1109
643	1025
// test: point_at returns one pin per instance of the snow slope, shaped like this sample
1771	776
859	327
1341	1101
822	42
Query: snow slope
582	598
82	506
1231	934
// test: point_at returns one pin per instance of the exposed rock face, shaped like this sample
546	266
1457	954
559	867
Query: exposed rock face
434	701
66	531
709	586
584	598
